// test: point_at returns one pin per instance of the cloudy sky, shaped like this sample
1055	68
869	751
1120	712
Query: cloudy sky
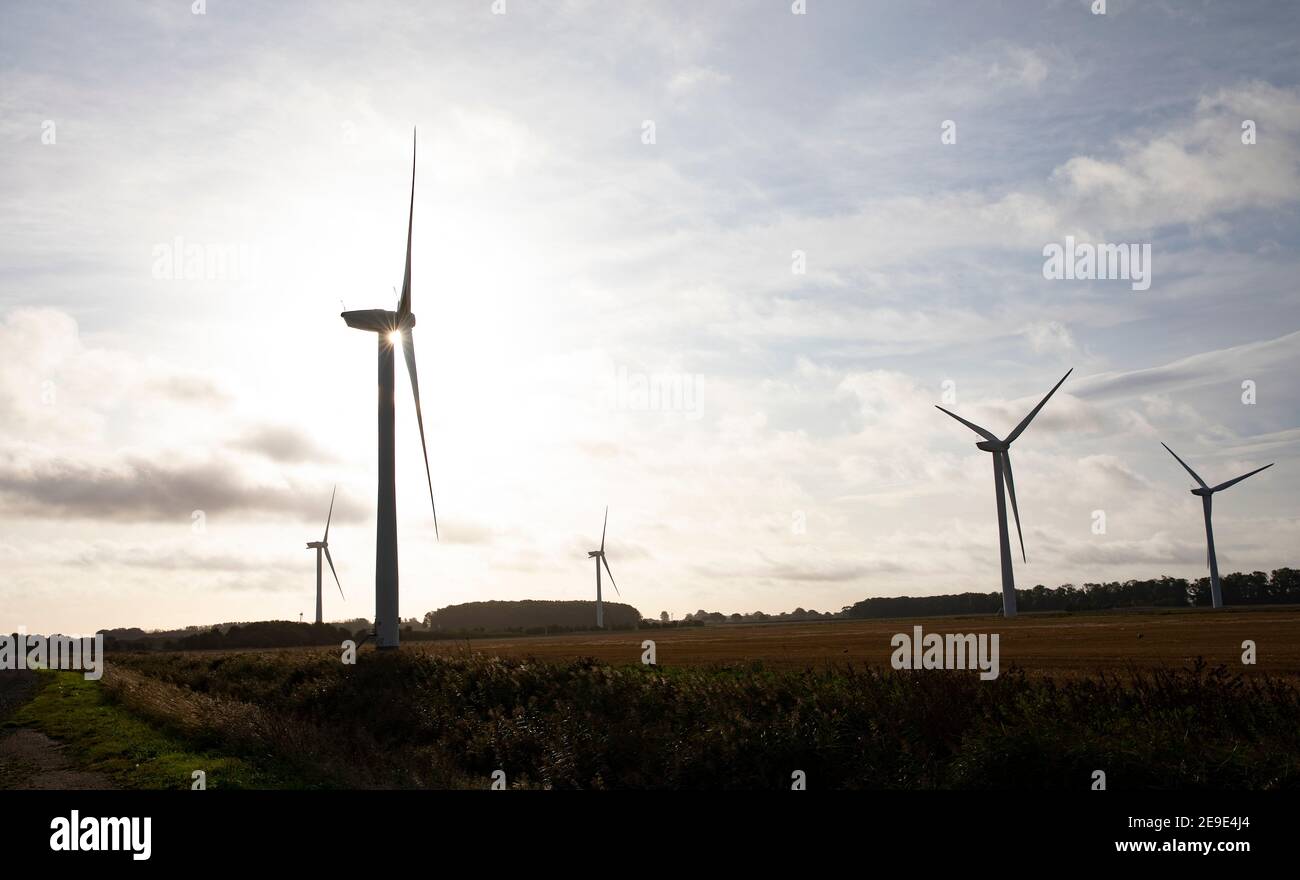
752	210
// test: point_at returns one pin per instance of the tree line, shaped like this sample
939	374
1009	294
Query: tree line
539	617
257	634
1281	587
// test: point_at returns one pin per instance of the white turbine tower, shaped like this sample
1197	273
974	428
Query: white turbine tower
1206	492
318	546
599	556
1001	450
392	328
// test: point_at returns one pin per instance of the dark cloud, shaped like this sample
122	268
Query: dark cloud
266	582
824	573
814	571
1160	549
154	490
282	444
1221	366
187	388
170	558
465	532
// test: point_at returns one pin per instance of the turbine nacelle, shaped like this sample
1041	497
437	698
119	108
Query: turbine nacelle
312	545
1204	493
378	320
993	446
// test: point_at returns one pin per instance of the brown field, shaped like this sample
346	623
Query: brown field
1047	643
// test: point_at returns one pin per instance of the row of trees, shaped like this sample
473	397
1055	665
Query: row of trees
536	617
703	616
258	634
1240	588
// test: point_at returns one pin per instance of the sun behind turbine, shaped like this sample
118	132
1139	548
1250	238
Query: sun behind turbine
389	327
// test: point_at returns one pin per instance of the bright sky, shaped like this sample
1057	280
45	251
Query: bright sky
562	264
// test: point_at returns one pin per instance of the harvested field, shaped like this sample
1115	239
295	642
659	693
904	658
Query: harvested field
1054	644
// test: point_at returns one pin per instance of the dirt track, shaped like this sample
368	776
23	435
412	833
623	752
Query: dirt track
30	759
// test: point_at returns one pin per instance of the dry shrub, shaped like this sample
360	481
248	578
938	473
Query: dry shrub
417	720
224	723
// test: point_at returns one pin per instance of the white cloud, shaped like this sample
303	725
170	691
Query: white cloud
1049	337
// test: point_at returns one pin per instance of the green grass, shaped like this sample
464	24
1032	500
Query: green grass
100	736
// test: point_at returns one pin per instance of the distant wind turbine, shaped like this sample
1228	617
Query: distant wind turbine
1001	450
318	546
1206	492
599	556
392	328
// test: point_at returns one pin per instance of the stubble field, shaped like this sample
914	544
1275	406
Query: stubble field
1056	644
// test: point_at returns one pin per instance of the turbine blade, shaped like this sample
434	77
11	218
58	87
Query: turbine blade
602	529
1011	491
974	427
1020	428
1239	479
331	514
330	559
408	349
1195	476
404	304
610	573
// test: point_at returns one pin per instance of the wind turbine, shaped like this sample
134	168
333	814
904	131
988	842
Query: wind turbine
391	329
1001	450
1206	492
599	556
318	546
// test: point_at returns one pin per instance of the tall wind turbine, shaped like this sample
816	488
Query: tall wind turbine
392	328
599	556
318	546
1206	492
1001	450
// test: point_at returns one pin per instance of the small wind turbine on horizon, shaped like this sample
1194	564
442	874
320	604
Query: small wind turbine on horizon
1004	482
1206	492
318	546
392	328
599	556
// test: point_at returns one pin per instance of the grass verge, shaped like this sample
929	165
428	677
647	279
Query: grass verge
101	736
